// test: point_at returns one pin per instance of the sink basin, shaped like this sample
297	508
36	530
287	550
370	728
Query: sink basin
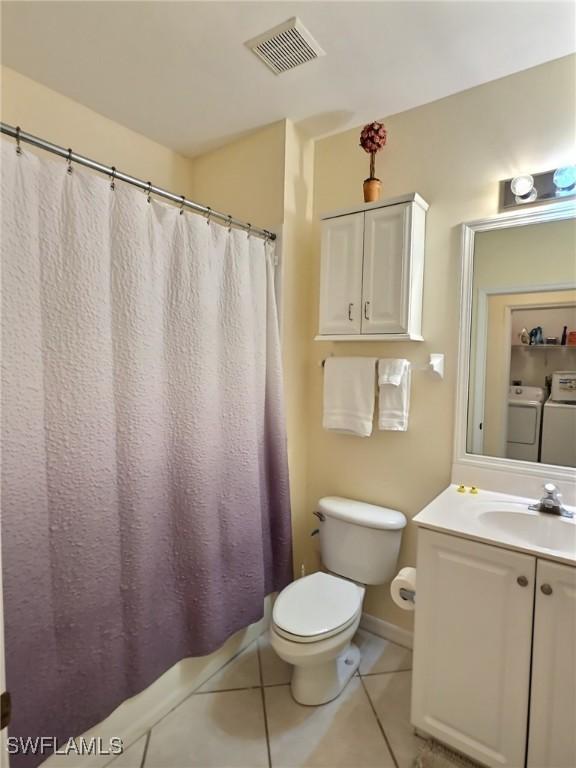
502	519
532	528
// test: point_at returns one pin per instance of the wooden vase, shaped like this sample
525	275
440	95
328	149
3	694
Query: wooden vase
372	190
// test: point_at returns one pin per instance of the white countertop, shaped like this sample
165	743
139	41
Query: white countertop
503	520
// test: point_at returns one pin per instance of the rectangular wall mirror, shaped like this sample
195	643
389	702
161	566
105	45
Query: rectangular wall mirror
517	386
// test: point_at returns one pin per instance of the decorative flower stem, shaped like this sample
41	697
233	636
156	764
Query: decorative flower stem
372	139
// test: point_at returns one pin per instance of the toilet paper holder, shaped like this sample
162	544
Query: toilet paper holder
408	594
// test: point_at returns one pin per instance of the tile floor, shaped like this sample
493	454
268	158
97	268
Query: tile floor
245	717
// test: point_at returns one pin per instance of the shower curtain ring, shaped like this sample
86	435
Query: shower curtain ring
149	192
113	177
208	215
229	222
18	147
69	160
249	231
183	200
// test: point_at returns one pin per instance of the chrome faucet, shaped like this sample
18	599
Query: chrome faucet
551	502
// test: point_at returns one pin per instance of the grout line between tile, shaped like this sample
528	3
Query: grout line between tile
245	688
145	753
227	690
388	672
382	731
263	696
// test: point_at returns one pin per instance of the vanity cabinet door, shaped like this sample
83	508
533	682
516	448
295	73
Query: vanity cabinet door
552	739
474	610
341	275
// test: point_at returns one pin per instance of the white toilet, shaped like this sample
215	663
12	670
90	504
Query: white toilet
315	618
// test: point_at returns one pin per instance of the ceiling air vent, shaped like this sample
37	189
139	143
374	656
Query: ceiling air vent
286	46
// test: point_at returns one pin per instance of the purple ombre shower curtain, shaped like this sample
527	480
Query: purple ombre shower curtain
145	510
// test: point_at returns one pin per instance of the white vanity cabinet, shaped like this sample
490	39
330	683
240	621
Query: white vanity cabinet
477	672
372	268
472	647
552	739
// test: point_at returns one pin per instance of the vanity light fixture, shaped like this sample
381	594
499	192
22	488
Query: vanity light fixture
538	187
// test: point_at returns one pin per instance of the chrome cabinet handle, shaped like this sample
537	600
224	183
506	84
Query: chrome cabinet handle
546	589
522	581
366	305
350	310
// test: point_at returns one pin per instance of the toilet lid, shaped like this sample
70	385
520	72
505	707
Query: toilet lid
317	604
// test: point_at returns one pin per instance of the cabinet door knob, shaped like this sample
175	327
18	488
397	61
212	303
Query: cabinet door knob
350	310
546	589
522	580
366	305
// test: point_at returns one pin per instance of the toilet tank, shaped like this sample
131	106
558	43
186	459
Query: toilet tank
359	541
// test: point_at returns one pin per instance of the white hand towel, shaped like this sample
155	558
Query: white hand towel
394	394
349	389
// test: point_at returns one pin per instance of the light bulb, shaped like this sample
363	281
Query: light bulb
529	198
522	186
565	179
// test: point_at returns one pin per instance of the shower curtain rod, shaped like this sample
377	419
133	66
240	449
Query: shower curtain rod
147	186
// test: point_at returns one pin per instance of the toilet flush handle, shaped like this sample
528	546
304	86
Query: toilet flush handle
319	515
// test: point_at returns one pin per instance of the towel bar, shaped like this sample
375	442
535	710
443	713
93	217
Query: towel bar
435	365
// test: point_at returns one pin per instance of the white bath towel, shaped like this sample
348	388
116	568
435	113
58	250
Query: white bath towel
394	394
349	389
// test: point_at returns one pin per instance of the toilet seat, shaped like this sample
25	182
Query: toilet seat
316	607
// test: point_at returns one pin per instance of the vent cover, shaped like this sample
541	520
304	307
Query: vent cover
286	46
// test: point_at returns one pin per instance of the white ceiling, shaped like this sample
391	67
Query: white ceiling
179	72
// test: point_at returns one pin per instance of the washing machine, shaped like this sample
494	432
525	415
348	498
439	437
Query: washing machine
524	423
559	421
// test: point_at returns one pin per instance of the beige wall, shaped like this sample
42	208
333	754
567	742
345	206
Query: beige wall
453	152
54	117
246	177
535	255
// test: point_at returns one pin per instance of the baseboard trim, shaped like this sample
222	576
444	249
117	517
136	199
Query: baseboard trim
388	631
135	716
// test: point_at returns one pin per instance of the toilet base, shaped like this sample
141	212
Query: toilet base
319	684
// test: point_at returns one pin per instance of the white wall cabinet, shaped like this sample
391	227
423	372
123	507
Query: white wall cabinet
476	674
372	269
